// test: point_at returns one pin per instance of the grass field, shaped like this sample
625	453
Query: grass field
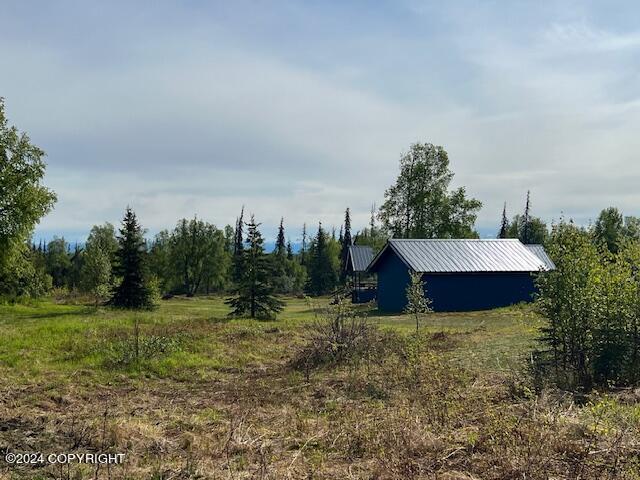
206	396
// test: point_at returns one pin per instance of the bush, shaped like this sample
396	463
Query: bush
592	303
126	352
338	336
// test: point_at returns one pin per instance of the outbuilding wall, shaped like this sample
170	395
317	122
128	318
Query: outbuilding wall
453	291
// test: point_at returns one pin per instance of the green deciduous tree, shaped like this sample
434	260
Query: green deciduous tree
58	262
591	302
97	277
23	201
418	304
253	294
609	229
193	258
420	205
198	255
133	290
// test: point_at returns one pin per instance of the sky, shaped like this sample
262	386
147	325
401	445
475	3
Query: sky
300	109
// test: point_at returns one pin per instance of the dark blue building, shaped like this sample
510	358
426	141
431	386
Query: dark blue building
459	275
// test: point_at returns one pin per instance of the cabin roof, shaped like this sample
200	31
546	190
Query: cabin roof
360	257
463	255
541	253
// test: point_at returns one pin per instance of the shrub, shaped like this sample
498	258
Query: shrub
129	351
338	336
592	303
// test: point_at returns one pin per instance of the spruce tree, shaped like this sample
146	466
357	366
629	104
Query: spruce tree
303	248
133	291
280	248
253	294
289	251
345	244
279	260
236	273
322	275
526	223
504	226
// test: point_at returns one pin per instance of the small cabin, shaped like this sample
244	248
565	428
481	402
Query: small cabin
363	283
459	274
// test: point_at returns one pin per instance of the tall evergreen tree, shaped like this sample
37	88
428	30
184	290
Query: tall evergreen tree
253	295
289	251
281	246
322	276
303	247
133	290
504	225
526	227
238	247
346	243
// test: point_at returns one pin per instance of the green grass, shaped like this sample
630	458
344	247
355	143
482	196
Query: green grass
46	338
214	397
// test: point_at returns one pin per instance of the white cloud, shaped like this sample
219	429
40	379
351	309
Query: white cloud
198	112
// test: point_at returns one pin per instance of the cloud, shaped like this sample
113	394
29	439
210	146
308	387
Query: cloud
300	111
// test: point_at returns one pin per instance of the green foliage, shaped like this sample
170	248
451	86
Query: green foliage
420	205
130	351
535	233
289	277
97	272
373	236
58	262
609	229
324	264
527	228
197	254
253	294
23	199
238	247
339	335
418	304
25	275
103	237
345	242
190	259
133	290
504	224
592	303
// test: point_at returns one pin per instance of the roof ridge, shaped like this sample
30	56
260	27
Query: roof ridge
455	240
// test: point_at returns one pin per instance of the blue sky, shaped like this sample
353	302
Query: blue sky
299	109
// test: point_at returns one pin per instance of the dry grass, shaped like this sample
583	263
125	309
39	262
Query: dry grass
239	410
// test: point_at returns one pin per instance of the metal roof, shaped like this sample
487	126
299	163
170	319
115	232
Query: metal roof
361	256
463	255
539	251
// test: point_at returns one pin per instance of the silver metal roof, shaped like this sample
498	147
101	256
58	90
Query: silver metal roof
361	256
539	251
463	255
